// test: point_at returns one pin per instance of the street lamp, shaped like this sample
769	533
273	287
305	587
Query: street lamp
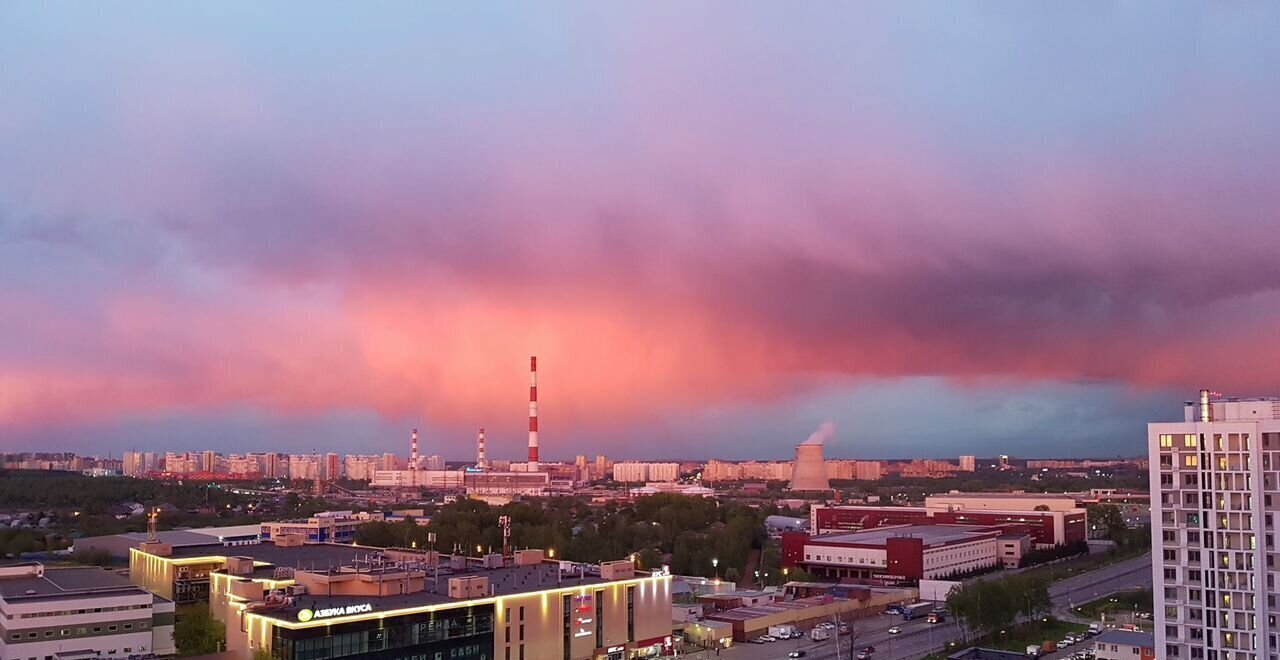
715	564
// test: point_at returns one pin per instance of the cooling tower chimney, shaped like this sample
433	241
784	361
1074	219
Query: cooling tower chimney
533	414
413	451
481	462
809	473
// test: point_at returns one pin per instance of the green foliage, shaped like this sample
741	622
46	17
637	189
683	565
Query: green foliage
987	606
14	542
1042	555
92	557
37	489
1108	518
197	633
692	530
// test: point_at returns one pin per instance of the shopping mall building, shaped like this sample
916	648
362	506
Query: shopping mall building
307	601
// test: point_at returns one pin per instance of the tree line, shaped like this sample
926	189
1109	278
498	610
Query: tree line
990	606
687	533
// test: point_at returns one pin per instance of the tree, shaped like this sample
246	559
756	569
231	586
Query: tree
197	633
1042	507
1107	517
1033	593
731	574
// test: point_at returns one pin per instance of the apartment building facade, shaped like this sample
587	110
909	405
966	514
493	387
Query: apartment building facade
1215	483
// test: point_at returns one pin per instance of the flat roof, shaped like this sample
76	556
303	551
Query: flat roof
309	556
1127	637
505	581
323	557
929	534
1008	496
64	583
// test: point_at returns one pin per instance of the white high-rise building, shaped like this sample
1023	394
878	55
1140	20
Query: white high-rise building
1215	484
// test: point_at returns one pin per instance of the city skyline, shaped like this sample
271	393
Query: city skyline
946	229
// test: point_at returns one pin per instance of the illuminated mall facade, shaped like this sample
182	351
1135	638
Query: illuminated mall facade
291	600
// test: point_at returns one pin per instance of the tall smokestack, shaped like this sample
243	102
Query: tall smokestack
481	461
413	450
533	414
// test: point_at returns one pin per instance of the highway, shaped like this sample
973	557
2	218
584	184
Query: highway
918	638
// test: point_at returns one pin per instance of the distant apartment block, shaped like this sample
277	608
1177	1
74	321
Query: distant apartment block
636	472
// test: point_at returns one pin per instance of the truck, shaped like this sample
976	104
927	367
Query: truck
916	610
784	631
936	617
1033	651
1095	628
819	634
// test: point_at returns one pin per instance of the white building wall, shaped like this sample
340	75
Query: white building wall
851	557
57	630
962	557
1215	497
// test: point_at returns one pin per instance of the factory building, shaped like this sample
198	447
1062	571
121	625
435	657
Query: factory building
1063	523
295	601
74	613
899	553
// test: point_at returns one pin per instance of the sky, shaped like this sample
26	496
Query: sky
943	228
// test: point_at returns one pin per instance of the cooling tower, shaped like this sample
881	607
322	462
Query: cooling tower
809	471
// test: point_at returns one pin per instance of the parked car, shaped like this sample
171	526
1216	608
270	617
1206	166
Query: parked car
797	654
864	656
1065	642
868	649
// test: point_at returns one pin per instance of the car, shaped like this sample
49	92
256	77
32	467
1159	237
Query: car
768	638
756	640
797	654
895	630
864	656
1063	643
868	649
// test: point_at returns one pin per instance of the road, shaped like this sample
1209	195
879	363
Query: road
1121	576
918	638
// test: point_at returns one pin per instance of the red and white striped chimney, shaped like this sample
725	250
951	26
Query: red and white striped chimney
413	450
533	414
481	461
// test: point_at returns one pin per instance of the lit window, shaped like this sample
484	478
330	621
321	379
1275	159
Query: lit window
1191	460
1166	440
1189	440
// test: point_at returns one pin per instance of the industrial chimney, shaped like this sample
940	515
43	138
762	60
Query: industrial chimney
413	453
481	462
533	414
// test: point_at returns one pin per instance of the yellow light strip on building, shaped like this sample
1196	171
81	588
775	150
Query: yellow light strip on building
296	625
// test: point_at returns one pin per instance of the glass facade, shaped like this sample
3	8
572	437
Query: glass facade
462	633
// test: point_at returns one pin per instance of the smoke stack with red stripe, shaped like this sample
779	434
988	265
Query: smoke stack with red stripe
413	450
481	461
533	414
